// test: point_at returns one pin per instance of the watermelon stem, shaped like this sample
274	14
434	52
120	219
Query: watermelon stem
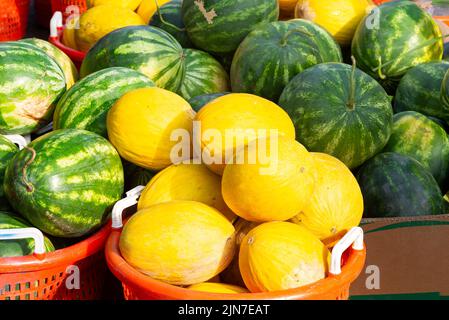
290	32
25	181
166	22
351	101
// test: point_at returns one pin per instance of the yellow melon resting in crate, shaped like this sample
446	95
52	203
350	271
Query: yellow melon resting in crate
148	7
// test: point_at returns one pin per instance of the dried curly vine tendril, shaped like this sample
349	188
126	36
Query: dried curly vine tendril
166	22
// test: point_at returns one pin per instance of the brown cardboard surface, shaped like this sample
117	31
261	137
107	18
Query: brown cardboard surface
409	255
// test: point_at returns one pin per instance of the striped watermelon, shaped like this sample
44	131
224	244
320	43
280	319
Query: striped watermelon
203	75
18	248
220	25
339	111
67	66
65	182
417	136
394	38
274	53
443	124
31	83
395	185
135	175
7	151
200	101
149	50
171	13
420	90
445	96
86	104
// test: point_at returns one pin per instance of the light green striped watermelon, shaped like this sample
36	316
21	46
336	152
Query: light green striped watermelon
394	38
340	111
86	104
200	101
150	50
63	60
171	22
420	90
65	182
7	151
203	75
219	26
274	53
31	82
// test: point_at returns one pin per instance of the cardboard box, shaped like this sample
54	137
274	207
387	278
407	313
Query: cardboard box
407	258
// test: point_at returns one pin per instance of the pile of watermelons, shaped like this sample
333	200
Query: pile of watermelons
381	106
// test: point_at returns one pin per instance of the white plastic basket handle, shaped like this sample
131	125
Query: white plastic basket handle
25	233
55	23
131	199
353	237
21	141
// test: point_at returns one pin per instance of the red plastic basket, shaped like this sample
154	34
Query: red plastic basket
44	277
13	19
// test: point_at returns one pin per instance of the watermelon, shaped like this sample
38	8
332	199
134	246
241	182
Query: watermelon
395	185
31	83
420	90
150	50
220	25
135	175
65	182
20	247
443	124
340	111
171	22
7	151
67	66
200	101
446	51
86	104
274	53
393	39
418	137
203	75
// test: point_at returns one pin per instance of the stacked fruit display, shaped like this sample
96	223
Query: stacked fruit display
260	141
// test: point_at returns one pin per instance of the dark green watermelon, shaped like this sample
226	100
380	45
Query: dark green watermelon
135	175
203	75
65	182
446	51
219	26
22	247
171	22
418	137
7	151
86	105
420	90
150	50
340	111
440	122
395	185
394	38
274	53
200	101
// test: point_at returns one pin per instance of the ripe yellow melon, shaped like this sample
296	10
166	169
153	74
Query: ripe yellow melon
232	121
178	242
148	8
68	35
98	21
186	182
140	125
275	187
130	4
217	288
337	202
281	255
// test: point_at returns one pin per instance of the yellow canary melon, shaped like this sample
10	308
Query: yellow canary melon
217	288
232	121
282	255
98	21
336	204
68	35
272	187
148	8
129	4
178	242
186	182
141	122
339	17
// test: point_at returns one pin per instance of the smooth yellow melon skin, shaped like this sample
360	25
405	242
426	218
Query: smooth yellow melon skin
140	125
130	4
68	35
148	8
281	255
238	119
272	189
178	242
336	204
217	288
193	182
